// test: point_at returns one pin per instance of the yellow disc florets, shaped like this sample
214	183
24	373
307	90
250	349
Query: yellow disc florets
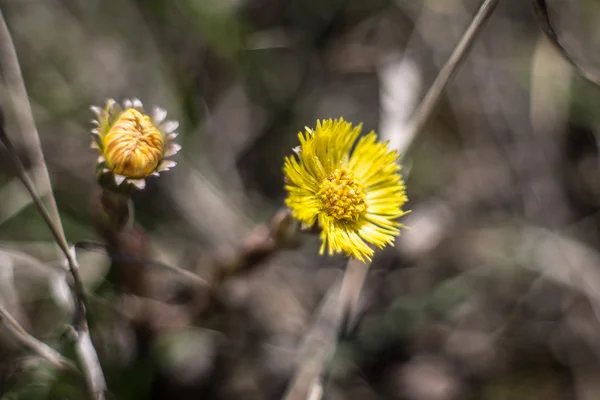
133	145
343	198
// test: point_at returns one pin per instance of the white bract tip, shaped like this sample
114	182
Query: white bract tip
165	165
119	179
96	110
170	126
172	149
138	183
159	115
137	104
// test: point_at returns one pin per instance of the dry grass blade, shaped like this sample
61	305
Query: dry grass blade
15	197
13	79
56	233
88	357
22	337
12	72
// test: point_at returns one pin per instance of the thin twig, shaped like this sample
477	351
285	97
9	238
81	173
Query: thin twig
189	276
430	100
35	346
13	77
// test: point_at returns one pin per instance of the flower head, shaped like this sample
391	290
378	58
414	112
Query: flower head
354	192
133	145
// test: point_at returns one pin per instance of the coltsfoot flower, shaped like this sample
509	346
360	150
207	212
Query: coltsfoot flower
355	195
133	145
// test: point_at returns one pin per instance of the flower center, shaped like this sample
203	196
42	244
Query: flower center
133	147
343	198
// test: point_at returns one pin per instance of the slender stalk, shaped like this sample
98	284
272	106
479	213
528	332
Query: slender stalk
319	344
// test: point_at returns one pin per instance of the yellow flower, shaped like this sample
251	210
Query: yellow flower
355	195
132	144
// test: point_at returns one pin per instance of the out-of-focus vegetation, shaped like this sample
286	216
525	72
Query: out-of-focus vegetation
494	291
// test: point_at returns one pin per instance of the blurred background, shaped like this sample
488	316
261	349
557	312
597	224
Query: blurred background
492	293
